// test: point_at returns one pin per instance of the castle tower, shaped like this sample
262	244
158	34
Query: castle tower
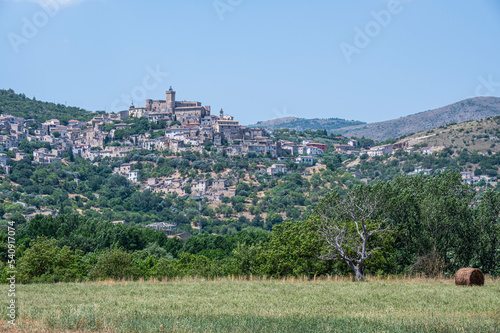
149	104
221	113
170	100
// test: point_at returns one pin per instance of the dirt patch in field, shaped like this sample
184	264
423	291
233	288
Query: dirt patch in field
73	195
31	327
353	163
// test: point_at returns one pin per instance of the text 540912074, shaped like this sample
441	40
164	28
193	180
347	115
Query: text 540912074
11	264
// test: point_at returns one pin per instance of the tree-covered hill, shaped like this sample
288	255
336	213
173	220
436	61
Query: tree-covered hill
470	109
301	124
21	106
476	108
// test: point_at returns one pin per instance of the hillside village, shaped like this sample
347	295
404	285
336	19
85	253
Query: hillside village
189	127
184	127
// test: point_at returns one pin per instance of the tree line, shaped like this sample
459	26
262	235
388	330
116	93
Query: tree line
421	224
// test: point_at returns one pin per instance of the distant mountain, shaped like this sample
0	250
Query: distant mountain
470	109
475	136
302	124
21	106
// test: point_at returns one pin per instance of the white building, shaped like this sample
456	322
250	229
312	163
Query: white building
305	159
380	150
353	143
276	168
313	151
133	176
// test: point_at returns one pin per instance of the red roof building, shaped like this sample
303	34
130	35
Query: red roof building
321	146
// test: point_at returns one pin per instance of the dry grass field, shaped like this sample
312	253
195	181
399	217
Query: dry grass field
232	305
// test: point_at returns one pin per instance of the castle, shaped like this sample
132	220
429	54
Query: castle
187	113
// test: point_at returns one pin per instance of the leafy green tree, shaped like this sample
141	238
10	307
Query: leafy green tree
487	228
218	167
246	260
432	218
294	249
274	219
114	264
46	262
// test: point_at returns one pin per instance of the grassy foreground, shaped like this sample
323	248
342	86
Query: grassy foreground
267	306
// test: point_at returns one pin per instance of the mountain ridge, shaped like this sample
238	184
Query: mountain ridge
475	108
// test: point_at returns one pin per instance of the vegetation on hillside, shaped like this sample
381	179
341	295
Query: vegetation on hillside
90	189
470	109
302	124
482	136
434	225
29	108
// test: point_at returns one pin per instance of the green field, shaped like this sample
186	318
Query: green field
267	306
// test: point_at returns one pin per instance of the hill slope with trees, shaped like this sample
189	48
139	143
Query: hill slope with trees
467	110
301	124
470	109
29	108
476	136
431	225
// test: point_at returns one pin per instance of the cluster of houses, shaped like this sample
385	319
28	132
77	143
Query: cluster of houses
350	148
212	189
189	126
352	145
469	178
35	211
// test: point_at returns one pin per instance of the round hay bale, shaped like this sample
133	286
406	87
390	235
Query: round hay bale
469	277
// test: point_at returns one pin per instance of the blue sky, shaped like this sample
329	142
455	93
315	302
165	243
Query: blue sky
363	60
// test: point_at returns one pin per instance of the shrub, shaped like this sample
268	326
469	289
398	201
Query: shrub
115	264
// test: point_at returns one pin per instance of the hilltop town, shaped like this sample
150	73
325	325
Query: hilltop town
177	149
244	166
184	127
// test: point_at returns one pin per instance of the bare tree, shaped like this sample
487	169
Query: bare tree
348	226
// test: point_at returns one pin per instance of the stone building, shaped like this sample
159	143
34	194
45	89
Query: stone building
169	109
226	125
